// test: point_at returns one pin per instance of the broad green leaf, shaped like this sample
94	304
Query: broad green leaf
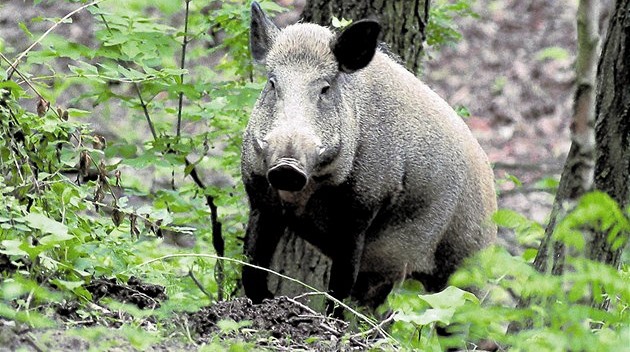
83	68
121	150
12	290
78	112
68	285
432	315
12	247
449	297
32	318
509	218
227	326
47	225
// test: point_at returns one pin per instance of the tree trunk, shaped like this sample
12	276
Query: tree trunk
577	175
403	21
612	141
612	124
404	24
297	259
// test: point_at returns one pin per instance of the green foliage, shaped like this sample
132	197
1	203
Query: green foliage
528	232
78	206
418	316
462	111
559	316
553	53
442	27
228	326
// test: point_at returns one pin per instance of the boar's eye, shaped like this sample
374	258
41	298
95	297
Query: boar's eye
325	89
272	82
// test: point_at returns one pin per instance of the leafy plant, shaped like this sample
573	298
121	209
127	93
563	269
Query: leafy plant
442	27
559	316
80	205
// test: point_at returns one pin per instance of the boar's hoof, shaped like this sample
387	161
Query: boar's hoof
287	175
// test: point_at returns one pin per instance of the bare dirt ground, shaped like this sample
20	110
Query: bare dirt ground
519	99
279	324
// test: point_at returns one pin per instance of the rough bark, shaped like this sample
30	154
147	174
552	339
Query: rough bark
612	124
297	259
404	24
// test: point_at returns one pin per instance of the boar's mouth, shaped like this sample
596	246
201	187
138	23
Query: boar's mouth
287	175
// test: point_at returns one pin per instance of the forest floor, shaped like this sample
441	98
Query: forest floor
513	70
279	324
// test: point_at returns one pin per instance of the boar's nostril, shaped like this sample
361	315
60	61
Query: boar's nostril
287	175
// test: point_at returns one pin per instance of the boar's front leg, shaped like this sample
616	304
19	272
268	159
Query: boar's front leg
346	261
348	235
264	229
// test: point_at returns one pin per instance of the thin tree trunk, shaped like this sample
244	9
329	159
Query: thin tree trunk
577	175
578	171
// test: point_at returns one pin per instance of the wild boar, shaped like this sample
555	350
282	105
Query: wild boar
350	151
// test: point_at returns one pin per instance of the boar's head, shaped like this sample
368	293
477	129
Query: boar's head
304	127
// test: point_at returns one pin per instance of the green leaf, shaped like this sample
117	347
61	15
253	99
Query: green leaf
552	53
83	68
12	290
12	247
462	111
11	86
227	325
46	224
78	112
515	180
595	211
449	297
530	254
509	218
68	285
547	183
33	318
340	23
121	150
25	29
433	315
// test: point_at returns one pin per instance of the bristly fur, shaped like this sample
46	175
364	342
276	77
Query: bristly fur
349	150
305	44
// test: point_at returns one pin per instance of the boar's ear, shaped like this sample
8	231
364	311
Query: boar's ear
261	33
354	48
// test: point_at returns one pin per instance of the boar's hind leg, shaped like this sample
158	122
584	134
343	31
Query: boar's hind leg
446	262
261	239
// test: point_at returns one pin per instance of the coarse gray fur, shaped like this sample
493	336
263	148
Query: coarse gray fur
366	163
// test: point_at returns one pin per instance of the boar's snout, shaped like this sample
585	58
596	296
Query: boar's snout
291	154
287	175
